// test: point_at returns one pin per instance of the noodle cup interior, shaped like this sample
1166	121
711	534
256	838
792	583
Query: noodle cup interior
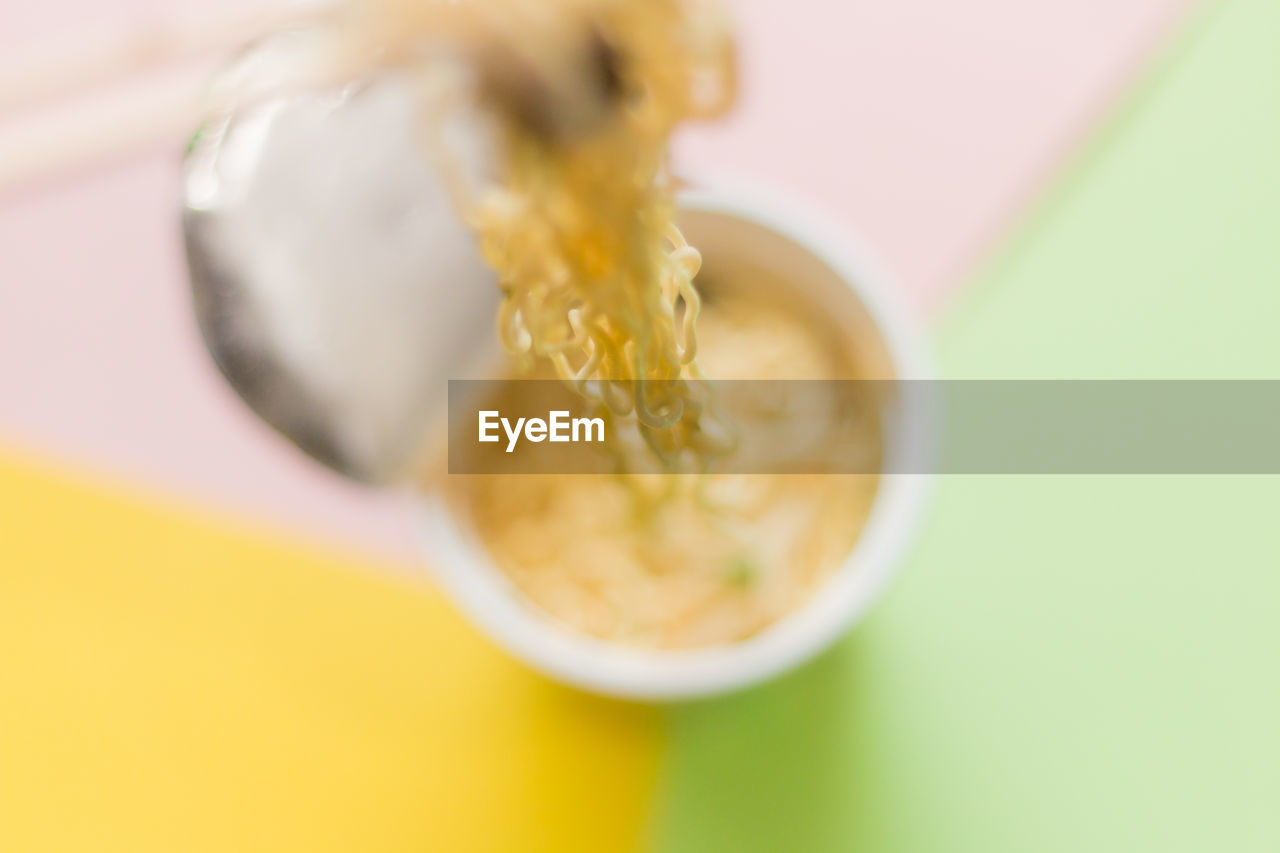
829	270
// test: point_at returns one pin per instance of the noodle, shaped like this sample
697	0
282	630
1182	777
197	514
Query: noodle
699	559
598	288
596	278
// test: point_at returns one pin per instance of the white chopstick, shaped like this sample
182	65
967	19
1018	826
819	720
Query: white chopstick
100	122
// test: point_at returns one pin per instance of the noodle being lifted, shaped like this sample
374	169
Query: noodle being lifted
597	280
598	283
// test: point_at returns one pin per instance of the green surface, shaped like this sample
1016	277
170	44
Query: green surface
1068	663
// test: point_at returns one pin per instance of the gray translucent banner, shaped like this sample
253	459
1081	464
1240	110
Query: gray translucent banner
866	427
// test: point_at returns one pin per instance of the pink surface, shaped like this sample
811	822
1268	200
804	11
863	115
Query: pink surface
923	123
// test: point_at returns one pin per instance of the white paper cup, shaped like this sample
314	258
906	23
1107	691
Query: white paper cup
828	265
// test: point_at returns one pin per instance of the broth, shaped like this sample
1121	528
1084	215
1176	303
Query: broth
685	560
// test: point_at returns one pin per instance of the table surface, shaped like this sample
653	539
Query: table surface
1067	663
925	125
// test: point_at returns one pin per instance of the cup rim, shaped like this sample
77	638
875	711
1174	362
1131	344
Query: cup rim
468	577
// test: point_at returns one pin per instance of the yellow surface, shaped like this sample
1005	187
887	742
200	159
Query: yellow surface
172	684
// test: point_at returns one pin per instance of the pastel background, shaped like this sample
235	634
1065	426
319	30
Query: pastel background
205	643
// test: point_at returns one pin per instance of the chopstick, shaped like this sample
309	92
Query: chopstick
376	33
133	120
45	81
124	96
